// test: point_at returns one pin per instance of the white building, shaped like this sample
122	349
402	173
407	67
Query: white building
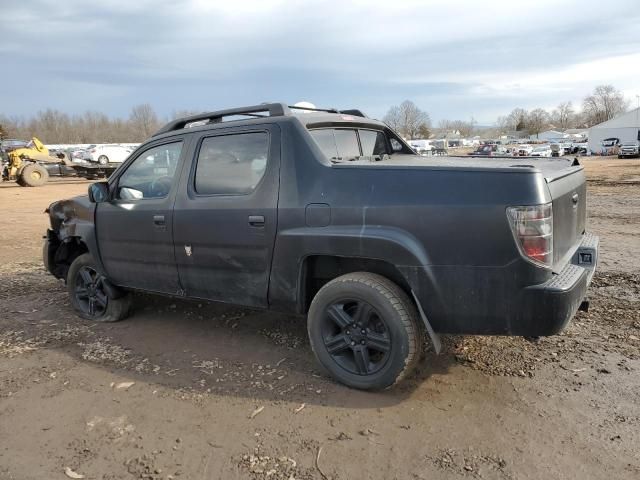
547	135
625	127
576	133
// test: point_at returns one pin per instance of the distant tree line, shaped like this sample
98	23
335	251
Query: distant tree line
54	126
605	103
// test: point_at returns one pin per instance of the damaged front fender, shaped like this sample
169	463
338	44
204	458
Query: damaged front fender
72	233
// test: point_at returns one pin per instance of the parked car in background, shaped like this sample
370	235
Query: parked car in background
11	144
491	150
629	150
525	150
580	148
422	147
541	151
558	149
104	154
81	155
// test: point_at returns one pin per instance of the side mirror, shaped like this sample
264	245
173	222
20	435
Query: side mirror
98	192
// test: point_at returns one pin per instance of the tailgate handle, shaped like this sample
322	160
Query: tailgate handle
574	199
256	220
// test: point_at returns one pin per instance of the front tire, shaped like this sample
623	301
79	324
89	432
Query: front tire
86	287
103	159
33	175
365	331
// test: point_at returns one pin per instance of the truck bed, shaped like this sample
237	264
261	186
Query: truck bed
551	168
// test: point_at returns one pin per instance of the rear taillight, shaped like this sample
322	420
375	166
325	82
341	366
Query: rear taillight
93	150
532	228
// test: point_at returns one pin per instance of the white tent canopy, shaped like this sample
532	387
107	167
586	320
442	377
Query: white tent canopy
625	127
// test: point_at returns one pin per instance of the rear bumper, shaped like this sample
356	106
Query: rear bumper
549	307
515	300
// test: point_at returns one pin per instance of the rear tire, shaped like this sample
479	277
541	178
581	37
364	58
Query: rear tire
365	331
33	175
89	296
103	159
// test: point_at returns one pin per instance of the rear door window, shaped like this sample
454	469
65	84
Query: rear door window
231	164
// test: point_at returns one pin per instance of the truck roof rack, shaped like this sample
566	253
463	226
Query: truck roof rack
273	109
354	111
262	110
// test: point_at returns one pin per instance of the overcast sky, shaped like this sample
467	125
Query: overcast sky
455	59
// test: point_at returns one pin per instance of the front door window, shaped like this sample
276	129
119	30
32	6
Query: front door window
151	174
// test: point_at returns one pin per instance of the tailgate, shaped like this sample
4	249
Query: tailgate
569	196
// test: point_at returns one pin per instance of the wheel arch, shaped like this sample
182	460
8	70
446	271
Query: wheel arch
59	255
72	235
318	270
333	251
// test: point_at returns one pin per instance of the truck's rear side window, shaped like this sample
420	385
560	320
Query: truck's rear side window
231	164
347	143
343	142
373	142
326	141
336	142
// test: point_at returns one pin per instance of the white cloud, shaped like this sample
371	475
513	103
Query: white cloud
454	58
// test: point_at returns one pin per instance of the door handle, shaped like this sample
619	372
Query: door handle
256	220
159	220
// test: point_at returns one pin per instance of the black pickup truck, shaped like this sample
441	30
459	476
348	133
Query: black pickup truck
331	215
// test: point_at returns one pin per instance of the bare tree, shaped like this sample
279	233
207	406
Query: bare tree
424	131
517	119
464	127
503	124
407	119
603	104
445	125
537	121
144	120
563	116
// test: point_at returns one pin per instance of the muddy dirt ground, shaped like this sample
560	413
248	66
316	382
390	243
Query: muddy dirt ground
186	390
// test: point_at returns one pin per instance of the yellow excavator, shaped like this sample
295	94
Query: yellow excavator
28	165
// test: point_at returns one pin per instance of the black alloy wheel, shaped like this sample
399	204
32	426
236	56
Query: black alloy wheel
92	299
364	330
356	336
